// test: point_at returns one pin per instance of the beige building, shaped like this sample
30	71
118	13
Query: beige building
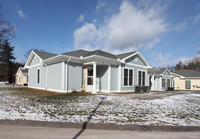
186	80
21	77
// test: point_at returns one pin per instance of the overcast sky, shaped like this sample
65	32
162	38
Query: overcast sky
164	31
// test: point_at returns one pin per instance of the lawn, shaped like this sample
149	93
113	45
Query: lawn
23	103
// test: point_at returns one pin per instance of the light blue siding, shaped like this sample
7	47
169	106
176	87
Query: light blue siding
135	60
114	78
74	76
35	60
32	77
102	78
55	76
135	81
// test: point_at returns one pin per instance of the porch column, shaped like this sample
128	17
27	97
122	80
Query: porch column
109	75
94	77
63	76
66	77
46	77
120	77
152	82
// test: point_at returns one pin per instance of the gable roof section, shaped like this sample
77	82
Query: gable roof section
44	55
85	53
24	70
76	53
130	54
124	55
101	53
188	73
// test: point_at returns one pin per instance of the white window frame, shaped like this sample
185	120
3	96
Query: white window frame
39	76
138	76
128	77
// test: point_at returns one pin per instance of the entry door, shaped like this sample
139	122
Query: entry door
89	79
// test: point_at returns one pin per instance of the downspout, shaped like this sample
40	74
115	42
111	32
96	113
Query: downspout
67	75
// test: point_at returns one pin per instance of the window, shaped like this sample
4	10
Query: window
125	77
187	84
38	76
89	76
163	82
128	77
141	78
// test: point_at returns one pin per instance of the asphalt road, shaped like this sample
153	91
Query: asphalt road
26	132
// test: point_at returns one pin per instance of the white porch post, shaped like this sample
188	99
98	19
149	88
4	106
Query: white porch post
46	76
120	77
94	77
66	78
152	82
63	76
109	75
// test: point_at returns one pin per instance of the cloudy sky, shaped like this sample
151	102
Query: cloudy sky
164	31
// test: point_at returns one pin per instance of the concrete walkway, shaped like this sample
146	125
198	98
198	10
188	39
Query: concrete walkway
26	132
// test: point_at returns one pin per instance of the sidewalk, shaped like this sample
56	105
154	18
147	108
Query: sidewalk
24	132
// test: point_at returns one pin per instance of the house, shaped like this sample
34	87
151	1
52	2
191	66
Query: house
21	77
91	71
160	79
186	79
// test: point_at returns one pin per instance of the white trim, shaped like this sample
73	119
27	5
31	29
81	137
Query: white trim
131	64
40	64
120	77
88	63
109	75
92	56
128	77
94	77
63	76
31	56
46	76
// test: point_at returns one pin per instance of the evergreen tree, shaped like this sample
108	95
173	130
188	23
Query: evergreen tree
7	63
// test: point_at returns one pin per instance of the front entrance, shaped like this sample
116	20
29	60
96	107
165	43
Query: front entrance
87	79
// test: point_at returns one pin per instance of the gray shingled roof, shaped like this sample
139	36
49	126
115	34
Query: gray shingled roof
24	70
84	53
160	71
101	53
44	55
187	73
156	71
76	53
121	56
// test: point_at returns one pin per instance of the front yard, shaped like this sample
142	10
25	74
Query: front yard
143	109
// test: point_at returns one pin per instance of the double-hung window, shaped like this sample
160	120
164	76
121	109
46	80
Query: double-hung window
128	77
163	82
141	78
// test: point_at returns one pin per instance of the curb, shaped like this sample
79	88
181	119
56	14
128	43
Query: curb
129	127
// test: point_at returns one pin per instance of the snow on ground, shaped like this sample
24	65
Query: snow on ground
181	109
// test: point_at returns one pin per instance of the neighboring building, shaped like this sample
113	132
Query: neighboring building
160	79
91	71
186	80
21	77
